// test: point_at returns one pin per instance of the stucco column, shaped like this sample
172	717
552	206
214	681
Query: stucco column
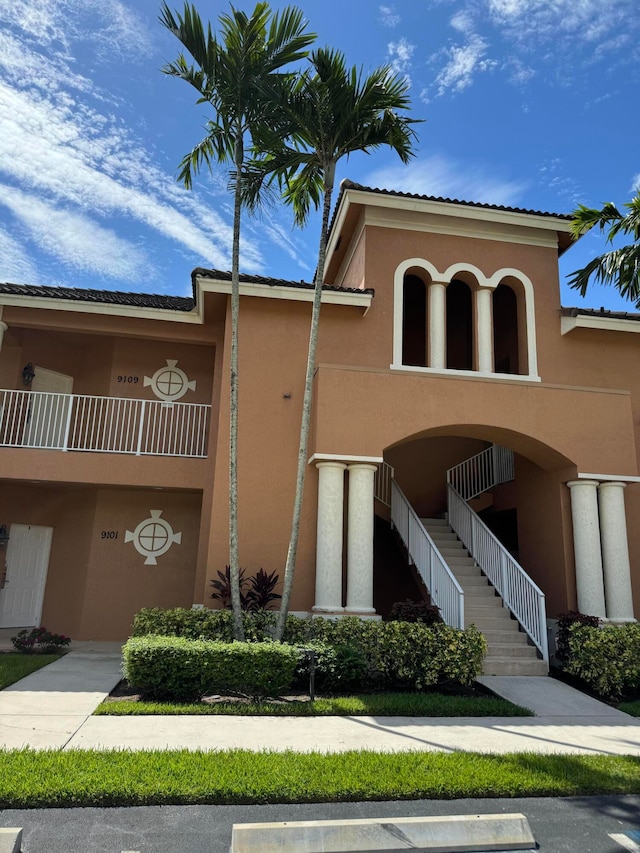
329	537
586	545
360	539
437	324
3	329
485	329
615	552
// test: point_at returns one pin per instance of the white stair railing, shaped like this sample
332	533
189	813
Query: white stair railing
482	472
382	483
519	593
446	593
49	421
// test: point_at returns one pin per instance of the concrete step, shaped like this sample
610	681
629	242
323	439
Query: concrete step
505	633
511	666
443	535
435	522
479	594
486	609
468	570
486	623
478	581
515	650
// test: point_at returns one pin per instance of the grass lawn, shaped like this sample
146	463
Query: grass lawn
632	708
31	779
372	704
13	667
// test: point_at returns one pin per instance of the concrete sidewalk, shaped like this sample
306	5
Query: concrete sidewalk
51	709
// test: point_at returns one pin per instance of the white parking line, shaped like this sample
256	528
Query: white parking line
625	841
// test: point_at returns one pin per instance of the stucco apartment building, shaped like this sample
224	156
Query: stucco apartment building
450	382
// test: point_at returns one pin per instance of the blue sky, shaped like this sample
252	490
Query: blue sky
530	103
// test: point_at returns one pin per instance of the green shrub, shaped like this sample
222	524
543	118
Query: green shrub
182	669
202	624
399	654
336	667
565	621
607	659
414	611
385	654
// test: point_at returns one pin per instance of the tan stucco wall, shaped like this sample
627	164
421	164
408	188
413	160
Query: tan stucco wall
580	418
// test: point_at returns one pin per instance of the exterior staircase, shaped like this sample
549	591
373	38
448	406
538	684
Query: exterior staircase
509	653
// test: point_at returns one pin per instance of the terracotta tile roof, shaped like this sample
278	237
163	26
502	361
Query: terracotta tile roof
599	312
111	297
273	282
350	185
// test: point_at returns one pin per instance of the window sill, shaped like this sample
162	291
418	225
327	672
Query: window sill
465	374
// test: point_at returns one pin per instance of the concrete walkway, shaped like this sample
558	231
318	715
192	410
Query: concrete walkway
51	709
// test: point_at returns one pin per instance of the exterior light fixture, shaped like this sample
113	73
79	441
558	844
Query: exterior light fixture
28	374
4	536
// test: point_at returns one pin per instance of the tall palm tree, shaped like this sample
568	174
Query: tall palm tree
334	111
619	267
233	73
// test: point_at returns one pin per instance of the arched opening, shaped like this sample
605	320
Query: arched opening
505	330
459	326
514	510
414	321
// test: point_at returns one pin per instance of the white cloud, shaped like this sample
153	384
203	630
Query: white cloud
15	265
635	183
439	176
110	26
75	239
584	20
399	54
388	16
463	64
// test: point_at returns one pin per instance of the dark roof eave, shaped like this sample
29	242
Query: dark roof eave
600	312
220	275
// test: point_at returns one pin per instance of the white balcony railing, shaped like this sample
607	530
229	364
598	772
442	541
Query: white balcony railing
444	589
482	472
103	424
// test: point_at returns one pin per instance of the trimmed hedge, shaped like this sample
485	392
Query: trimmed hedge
202	624
396	654
179	668
607	659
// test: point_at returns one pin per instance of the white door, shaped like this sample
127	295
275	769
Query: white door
27	562
48	412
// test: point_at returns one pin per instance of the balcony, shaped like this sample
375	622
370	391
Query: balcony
66	422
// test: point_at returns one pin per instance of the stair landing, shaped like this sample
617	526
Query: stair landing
509	652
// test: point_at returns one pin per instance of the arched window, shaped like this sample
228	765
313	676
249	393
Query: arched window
414	321
459	326
505	330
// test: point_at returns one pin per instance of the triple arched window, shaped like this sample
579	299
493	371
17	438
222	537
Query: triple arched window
462	320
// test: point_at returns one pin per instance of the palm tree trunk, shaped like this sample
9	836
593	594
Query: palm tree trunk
234	573
329	175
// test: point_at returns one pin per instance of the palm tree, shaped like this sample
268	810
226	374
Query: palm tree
619	267
233	74
334	111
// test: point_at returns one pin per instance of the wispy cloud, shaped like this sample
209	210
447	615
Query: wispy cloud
554	178
75	239
388	16
63	149
439	176
462	62
503	34
399	54
111	27
588	21
15	265
635	183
